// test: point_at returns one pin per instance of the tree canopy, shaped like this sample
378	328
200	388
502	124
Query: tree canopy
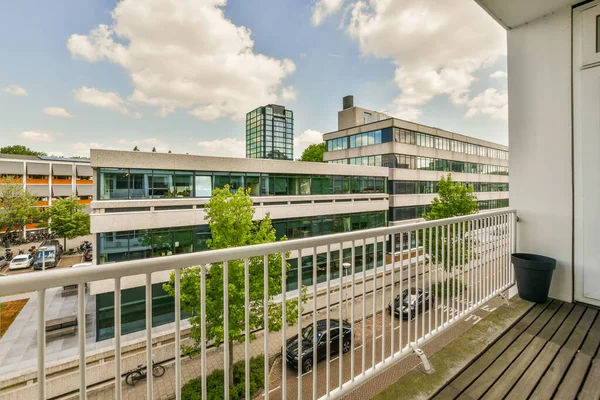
17	206
230	218
21	150
313	153
136	149
67	219
454	199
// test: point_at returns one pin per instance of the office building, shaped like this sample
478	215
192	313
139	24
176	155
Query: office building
417	157
270	133
152	205
49	178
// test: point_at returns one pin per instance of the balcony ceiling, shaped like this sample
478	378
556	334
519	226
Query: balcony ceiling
512	13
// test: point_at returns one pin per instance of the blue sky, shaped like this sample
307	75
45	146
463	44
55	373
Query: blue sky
156	78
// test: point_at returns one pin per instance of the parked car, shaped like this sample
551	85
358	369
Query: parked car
50	257
409	305
3	261
306	350
21	261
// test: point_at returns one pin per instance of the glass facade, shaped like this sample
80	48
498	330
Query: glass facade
133	311
423	139
428	187
360	139
270	133
426	163
133	245
121	184
414	212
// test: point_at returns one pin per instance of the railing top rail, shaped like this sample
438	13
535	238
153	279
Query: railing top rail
49	279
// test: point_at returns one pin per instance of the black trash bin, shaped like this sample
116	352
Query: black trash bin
533	274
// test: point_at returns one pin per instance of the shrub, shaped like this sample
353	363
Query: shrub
448	287
215	385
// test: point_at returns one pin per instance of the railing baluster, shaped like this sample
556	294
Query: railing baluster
203	327
430	330
464	254
392	297
423	284
177	334
353	316
314	318
41	342
117	314
149	380
247	326
416	310
443	282
409	273
283	329
454	277
437	273
364	308
300	346
400	291
374	313
340	315
383	285
226	326
266	321
327	322
81	333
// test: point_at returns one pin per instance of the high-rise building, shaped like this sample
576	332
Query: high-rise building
270	133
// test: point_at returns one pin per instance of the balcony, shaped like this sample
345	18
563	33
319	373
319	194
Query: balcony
448	268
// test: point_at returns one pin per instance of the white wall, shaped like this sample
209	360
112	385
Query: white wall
539	89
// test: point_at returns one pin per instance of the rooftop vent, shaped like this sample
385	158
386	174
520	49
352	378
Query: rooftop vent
348	102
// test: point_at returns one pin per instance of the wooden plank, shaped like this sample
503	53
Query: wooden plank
462	381
591	387
449	393
590	346
567	327
554	374
530	378
487	379
572	382
508	379
551	327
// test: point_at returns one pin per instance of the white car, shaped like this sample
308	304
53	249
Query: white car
21	261
85	264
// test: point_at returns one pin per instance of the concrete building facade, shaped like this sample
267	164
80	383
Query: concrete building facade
417	157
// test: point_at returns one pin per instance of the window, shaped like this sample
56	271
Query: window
367	117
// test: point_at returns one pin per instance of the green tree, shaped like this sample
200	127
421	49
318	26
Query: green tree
313	153
67	219
136	149
154	149
17	206
230	218
454	199
21	150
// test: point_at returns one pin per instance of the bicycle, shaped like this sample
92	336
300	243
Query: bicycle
135	375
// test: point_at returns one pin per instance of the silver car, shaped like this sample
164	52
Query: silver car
3	261
21	261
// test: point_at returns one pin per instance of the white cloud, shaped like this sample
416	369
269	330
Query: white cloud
436	46
491	102
15	90
323	9
198	59
305	139
499	75
227	147
38	136
103	99
58	112
82	149
288	93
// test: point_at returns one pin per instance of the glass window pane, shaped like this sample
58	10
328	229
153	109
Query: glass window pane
203	186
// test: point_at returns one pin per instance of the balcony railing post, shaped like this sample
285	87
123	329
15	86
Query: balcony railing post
117	313
177	334
266	323
81	333
149	380
226	326
41	342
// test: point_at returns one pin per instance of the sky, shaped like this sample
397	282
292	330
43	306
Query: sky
180	75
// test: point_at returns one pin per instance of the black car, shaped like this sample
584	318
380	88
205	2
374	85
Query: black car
410	305
322	336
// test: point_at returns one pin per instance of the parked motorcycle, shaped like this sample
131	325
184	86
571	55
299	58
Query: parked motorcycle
9	254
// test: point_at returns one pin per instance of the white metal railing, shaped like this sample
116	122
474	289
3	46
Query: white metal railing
457	264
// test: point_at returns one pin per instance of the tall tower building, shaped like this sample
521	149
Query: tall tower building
270	133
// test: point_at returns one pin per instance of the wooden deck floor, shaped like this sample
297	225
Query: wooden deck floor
551	353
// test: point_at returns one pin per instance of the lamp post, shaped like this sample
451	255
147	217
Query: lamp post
346	266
